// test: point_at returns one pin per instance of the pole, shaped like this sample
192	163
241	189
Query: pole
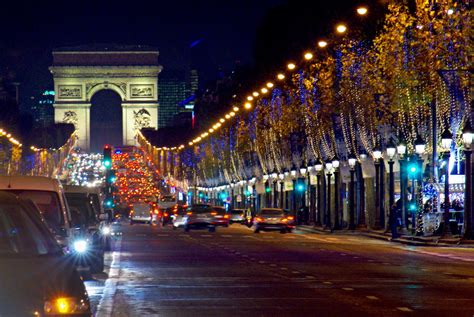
351	201
328	204
377	194
467	196
447	227
336	199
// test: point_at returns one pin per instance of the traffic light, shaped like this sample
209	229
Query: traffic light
107	161
412	170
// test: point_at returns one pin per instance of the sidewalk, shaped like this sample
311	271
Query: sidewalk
403	239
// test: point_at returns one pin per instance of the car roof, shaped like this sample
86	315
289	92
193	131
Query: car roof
29	183
81	189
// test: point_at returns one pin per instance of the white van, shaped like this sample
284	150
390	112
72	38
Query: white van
48	195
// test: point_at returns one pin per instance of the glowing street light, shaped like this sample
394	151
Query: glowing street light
322	44
341	28
362	10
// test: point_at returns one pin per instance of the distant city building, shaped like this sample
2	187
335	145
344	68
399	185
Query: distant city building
42	108
176	97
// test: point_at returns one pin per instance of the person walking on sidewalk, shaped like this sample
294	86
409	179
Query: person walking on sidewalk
393	220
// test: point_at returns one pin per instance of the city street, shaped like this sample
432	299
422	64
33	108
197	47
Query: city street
156	271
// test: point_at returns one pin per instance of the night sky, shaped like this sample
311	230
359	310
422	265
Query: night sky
208	35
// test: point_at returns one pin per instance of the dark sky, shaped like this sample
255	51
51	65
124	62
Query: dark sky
209	34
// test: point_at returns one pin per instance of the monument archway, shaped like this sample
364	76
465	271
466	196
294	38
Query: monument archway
130	71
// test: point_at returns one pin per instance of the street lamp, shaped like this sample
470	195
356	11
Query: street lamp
335	165
391	151
352	160
446	141
318	167
467	140
377	155
327	221
401	150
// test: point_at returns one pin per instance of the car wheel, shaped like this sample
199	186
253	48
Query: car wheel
212	229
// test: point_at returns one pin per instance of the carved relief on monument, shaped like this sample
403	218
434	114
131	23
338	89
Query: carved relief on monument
121	86
141	119
141	91
69	91
70	117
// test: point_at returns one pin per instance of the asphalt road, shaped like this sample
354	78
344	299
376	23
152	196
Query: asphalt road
156	271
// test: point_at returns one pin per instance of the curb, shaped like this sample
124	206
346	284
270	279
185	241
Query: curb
412	241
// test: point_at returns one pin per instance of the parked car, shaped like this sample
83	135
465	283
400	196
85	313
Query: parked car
200	217
35	274
48	195
237	216
89	248
273	219
221	218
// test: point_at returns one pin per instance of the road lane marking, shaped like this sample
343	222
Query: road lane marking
405	309
372	297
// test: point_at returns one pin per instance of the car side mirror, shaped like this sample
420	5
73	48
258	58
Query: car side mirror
104	217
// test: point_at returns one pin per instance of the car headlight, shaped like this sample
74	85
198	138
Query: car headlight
106	230
66	305
80	246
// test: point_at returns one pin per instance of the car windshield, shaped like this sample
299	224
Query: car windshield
47	202
200	209
81	204
219	210
22	233
274	212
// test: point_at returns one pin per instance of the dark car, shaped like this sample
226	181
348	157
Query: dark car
37	279
221	218
273	219
89	247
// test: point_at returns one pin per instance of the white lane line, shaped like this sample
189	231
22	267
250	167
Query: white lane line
348	288
372	297
106	304
405	309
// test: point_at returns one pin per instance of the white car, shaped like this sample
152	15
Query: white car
141	212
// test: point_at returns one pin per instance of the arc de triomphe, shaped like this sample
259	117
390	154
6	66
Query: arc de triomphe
132	72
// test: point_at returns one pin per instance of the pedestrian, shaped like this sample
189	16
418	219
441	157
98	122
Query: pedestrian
393	220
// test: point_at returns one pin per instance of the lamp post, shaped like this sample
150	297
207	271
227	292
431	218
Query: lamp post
467	140
327	217
379	217
420	150
335	165
352	163
446	140
318	167
391	151
401	150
